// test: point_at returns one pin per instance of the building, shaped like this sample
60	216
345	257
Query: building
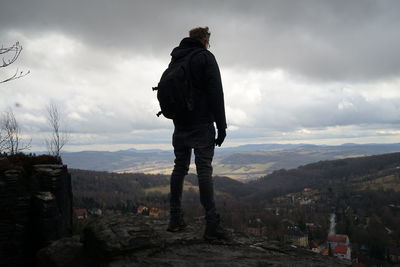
257	231
334	240
142	210
342	252
339	246
81	214
95	212
315	247
305	201
255	227
155	212
296	237
394	255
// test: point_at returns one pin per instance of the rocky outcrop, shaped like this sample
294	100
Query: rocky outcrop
35	210
130	240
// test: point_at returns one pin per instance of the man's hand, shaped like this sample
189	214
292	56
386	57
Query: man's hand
221	137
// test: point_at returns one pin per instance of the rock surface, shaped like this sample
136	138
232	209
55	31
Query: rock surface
130	240
35	210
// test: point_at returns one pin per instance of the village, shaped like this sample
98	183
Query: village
290	232
322	222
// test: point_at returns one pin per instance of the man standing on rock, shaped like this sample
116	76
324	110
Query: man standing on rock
195	130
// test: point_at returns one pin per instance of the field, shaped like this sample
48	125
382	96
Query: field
384	183
241	172
165	189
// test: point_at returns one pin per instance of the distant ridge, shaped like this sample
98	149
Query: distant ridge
246	162
324	174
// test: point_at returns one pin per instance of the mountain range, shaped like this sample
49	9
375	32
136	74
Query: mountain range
244	163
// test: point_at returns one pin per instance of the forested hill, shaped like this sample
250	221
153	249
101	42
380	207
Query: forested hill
320	175
324	174
112	188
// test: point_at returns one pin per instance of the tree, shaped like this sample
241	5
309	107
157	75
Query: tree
3	140
14	50
10	141
58	137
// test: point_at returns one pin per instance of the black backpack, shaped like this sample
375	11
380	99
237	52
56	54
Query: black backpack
175	91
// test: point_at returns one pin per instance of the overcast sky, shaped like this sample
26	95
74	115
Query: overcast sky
310	71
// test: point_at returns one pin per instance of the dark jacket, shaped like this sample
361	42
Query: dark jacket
206	78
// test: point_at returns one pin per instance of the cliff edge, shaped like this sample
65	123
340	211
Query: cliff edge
35	206
131	240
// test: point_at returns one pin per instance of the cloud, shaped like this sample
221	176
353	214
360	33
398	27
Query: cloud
291	70
327	40
288	104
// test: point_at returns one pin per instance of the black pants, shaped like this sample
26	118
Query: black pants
202	140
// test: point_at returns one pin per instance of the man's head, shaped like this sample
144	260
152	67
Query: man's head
201	34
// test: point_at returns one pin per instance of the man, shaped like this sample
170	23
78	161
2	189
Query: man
195	130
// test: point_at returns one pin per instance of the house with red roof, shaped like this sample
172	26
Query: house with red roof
142	210
338	246
342	252
334	240
155	212
81	214
325	251
315	247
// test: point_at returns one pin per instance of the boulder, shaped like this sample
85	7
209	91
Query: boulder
132	240
64	252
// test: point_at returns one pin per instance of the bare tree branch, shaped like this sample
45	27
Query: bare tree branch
58	137
16	76
11	134
16	50
3	140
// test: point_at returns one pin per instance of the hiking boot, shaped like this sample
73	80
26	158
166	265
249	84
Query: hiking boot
214	230
176	223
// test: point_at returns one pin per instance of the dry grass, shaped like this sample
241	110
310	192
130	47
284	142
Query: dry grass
234	171
165	189
390	182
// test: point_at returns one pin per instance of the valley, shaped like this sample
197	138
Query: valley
243	163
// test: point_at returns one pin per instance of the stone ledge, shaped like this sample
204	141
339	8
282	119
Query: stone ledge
130	240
